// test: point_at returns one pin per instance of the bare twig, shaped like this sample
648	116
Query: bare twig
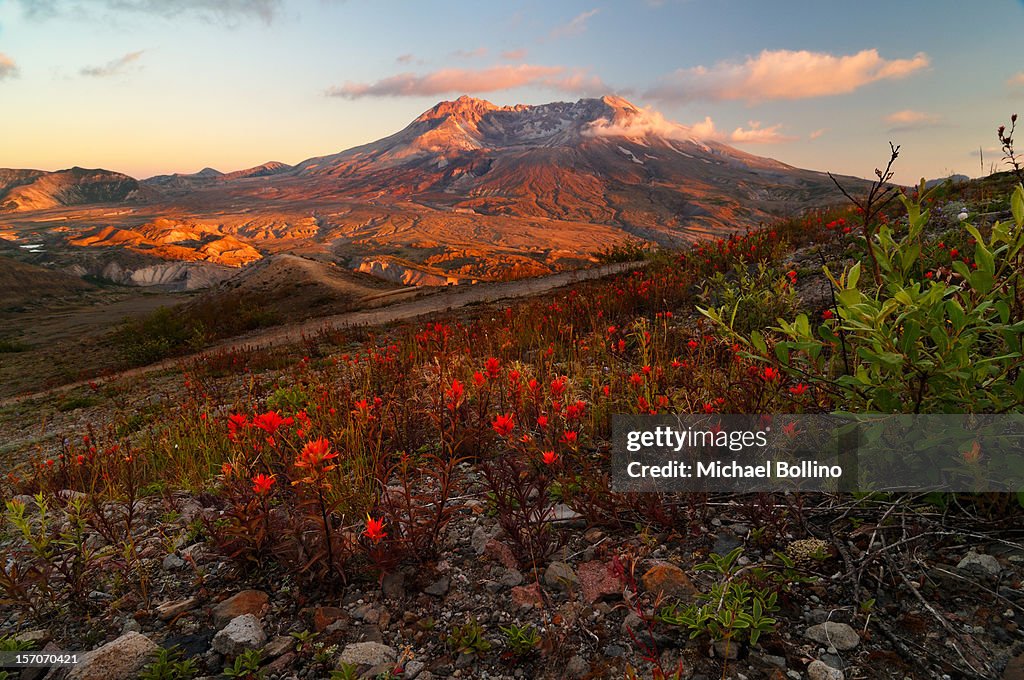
879	195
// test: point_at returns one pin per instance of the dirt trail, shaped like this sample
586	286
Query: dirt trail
439	300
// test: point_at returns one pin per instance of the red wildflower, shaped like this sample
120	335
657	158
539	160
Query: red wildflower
550	458
569	438
493	367
270	422
479	379
542	421
314	454
636	379
236	421
798	389
558	386
454	394
375	529
504	424
692	345
771	374
261	484
827	314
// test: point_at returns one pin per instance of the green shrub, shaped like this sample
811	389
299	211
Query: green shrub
930	338
169	664
751	297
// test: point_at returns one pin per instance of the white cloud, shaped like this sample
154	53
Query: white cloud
784	74
577	25
908	119
651	122
8	68
478	53
229	11
112	67
458	81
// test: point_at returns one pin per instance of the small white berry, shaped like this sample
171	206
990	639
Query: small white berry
962	216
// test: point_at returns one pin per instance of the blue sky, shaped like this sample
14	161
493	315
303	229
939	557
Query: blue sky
154	86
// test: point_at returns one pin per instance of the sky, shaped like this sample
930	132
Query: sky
148	87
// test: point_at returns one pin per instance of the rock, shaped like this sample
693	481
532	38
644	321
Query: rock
246	602
669	580
819	670
242	633
561	515
502	553
279	646
438	588
726	542
172	562
367	654
838	635
560	575
727	649
324	617
413	669
393	585
36	638
479	540
1015	669
599	580
122	658
773	660
368	613
509	578
577	667
195	644
528	597
170	609
979	565
280	665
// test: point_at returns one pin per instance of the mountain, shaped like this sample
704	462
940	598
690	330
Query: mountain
467	191
183	183
22	190
601	161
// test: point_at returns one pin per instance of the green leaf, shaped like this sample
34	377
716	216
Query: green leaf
757	340
853	276
983	258
1017	206
782	352
982	281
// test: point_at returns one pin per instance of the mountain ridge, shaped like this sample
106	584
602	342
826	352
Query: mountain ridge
468	189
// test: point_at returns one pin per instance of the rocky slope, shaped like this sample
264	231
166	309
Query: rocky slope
22	190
